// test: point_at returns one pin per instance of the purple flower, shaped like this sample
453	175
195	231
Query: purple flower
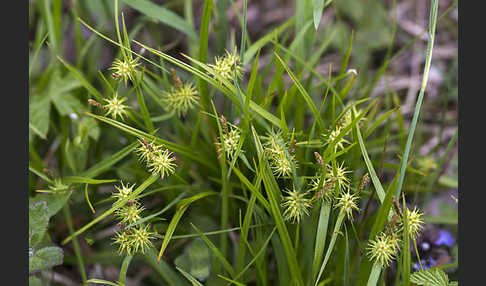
445	238
426	264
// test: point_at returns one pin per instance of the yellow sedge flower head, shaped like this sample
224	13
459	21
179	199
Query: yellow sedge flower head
340	177
382	249
141	238
415	223
162	163
347	202
115	107
181	99
296	206
129	213
327	192
124	241
332	135
226	66
230	141
124	69
147	150
123	191
279	161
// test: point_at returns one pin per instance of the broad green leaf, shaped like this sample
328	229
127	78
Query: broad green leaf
196	260
430	277
38	221
46	258
39	113
55	201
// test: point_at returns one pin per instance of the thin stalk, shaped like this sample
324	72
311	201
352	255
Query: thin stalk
430	44
77	249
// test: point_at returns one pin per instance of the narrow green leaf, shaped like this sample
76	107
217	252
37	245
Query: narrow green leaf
164	15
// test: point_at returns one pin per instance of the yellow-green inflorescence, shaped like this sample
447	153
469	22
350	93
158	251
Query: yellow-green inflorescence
226	66
348	202
230	140
159	160
280	160
181	99
130	239
296	206
383	248
124	69
415	222
328	189
115	107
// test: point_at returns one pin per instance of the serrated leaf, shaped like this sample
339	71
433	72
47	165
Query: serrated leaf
46	258
39	111
38	220
430	277
54	201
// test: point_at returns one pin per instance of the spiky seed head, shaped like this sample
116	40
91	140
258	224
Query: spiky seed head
280	162
225	66
124	69
332	135
296	206
124	241
162	163
230	141
327	190
115	107
347	202
382	249
415	223
141	238
147	150
123	191
129	214
340	176
181	99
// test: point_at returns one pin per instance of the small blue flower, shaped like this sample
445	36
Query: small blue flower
445	238
426	264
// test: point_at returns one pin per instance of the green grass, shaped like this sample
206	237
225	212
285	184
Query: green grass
275	121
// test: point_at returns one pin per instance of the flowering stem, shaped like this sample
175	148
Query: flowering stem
297	236
416	252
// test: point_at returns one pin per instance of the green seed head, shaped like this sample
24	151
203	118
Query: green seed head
124	69
181	99
347	202
296	206
141	238
382	249
226	66
115	107
415	223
